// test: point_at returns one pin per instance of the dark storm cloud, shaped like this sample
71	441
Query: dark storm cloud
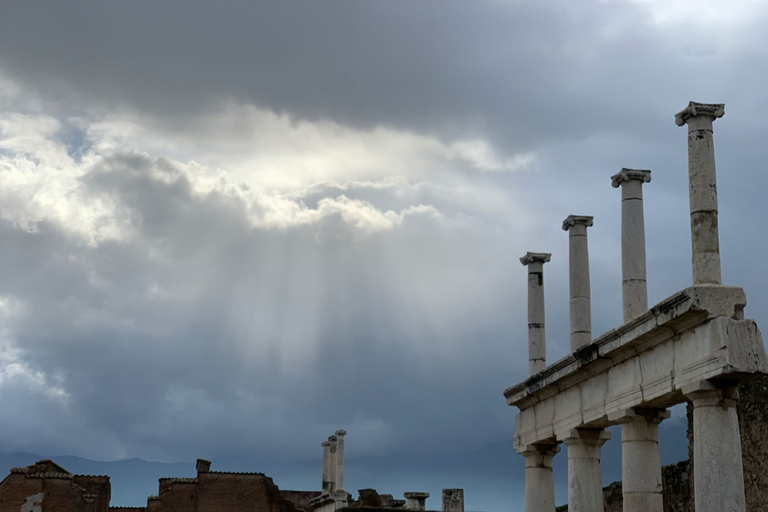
518	73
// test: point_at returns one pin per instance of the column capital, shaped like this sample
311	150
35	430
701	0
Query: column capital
539	449
573	220
340	433
325	444
630	174
587	436
646	414
705	393
535	257
712	110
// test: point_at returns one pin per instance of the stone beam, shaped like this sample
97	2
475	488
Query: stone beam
697	334
702	189
634	285
578	252
537	342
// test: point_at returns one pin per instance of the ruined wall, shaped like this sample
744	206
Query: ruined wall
300	499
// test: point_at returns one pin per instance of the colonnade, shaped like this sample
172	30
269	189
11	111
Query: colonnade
717	457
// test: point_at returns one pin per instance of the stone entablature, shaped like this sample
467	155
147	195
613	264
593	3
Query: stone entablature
696	334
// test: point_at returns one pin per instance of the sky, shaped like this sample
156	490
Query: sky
235	228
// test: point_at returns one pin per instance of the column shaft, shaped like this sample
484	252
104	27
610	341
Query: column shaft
537	344
332	466
634	285
717	467
702	187
641	462
326	467
340	459
581	308
585	488
539	478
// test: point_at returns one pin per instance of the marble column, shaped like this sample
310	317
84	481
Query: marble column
640	459
537	343
702	189
585	486
581	308
340	459
453	500
717	468
539	479
326	467
634	285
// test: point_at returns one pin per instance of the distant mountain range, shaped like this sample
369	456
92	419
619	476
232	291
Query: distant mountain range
492	478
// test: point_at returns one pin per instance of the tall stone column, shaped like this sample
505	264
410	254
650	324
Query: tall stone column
326	467
453	500
717	471
537	342
640	459
585	487
702	189
539	479
332	464
578	251
340	459
634	285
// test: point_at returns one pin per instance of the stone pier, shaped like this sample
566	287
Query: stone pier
537	344
416	500
453	500
634	285
581	308
702	187
539	478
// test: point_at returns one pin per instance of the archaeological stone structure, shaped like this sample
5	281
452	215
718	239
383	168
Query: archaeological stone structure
695	346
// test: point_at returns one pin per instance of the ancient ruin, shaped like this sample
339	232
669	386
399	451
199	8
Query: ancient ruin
695	347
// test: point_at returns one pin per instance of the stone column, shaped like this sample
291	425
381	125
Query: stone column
717	471
702	189
585	487
537	343
539	479
326	467
634	285
640	459
453	500
340	459
332	462
581	309
416	500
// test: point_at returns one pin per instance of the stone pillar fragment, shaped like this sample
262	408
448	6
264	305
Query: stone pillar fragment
717	464
453	500
581	308
585	488
537	344
640	459
634	285
702	189
326	467
340	459
416	500
539	479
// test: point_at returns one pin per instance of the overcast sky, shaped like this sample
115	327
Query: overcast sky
238	227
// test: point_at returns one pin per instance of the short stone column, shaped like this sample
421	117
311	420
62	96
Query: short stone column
539	479
585	487
537	343
453	500
416	500
581	308
640	459
717	471
340	459
326	467
634	285
702	189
